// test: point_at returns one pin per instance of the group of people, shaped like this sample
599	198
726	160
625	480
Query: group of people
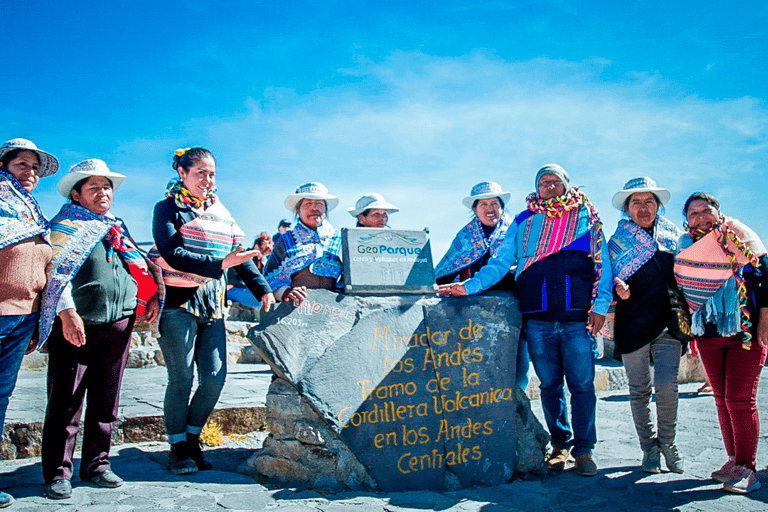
566	275
74	287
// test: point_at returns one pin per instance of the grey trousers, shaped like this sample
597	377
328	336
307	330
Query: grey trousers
666	352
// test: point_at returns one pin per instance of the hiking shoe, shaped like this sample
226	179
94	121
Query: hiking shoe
106	479
651	460
725	473
672	457
744	480
179	461
6	500
195	452
59	490
557	459
585	466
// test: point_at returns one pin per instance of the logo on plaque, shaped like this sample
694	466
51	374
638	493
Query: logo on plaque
380	261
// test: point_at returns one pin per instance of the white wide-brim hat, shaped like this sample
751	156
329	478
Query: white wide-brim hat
312	190
372	201
86	169
48	163
642	184
485	190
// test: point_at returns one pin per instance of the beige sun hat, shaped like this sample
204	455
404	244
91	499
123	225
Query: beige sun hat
48	163
372	201
86	169
485	190
642	184
311	190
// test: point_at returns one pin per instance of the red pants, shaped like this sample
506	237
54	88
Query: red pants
734	374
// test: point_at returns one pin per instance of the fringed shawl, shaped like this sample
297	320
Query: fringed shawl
470	244
20	215
631	246
319	250
75	231
706	275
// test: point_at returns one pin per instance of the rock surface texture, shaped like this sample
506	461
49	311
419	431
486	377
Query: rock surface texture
395	393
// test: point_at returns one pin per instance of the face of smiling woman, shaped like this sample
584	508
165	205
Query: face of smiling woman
26	169
488	211
96	195
200	177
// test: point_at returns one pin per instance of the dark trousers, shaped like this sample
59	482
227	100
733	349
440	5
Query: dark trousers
96	367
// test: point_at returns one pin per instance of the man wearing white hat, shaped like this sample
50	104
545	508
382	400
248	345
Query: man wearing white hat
307	256
559	248
372	211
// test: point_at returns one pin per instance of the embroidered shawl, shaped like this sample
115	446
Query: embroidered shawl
319	250
75	231
212	232
705	273
20	215
631	246
470	244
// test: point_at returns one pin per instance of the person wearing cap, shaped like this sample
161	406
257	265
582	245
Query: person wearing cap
558	246
25	252
722	268
307	256
236	289
196	241
99	283
282	227
642	260
476	243
372	211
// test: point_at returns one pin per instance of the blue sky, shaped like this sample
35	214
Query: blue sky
416	100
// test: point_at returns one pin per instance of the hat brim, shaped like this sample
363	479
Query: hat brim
292	200
67	182
376	205
621	196
469	201
49	165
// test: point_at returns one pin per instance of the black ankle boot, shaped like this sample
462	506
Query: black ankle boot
196	452
179	461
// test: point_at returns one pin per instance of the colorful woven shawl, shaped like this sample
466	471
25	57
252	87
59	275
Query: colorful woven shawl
709	268
561	221
213	233
470	244
631	246
75	231
20	215
319	250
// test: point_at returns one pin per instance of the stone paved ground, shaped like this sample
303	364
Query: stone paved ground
620	485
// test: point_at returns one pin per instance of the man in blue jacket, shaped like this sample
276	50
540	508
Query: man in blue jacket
557	250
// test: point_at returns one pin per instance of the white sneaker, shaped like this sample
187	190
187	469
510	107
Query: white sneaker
744	481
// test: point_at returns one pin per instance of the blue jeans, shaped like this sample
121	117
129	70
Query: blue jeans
565	351
15	333
523	363
186	341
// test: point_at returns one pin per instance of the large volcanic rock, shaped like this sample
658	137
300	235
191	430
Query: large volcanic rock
420	390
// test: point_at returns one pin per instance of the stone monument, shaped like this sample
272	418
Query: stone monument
395	393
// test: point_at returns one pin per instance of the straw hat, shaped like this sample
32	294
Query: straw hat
86	169
372	201
486	190
635	185
48	163
312	190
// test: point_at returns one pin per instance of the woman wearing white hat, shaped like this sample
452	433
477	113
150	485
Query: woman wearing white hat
476	243
197	240
307	256
24	255
99	283
642	259
372	211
